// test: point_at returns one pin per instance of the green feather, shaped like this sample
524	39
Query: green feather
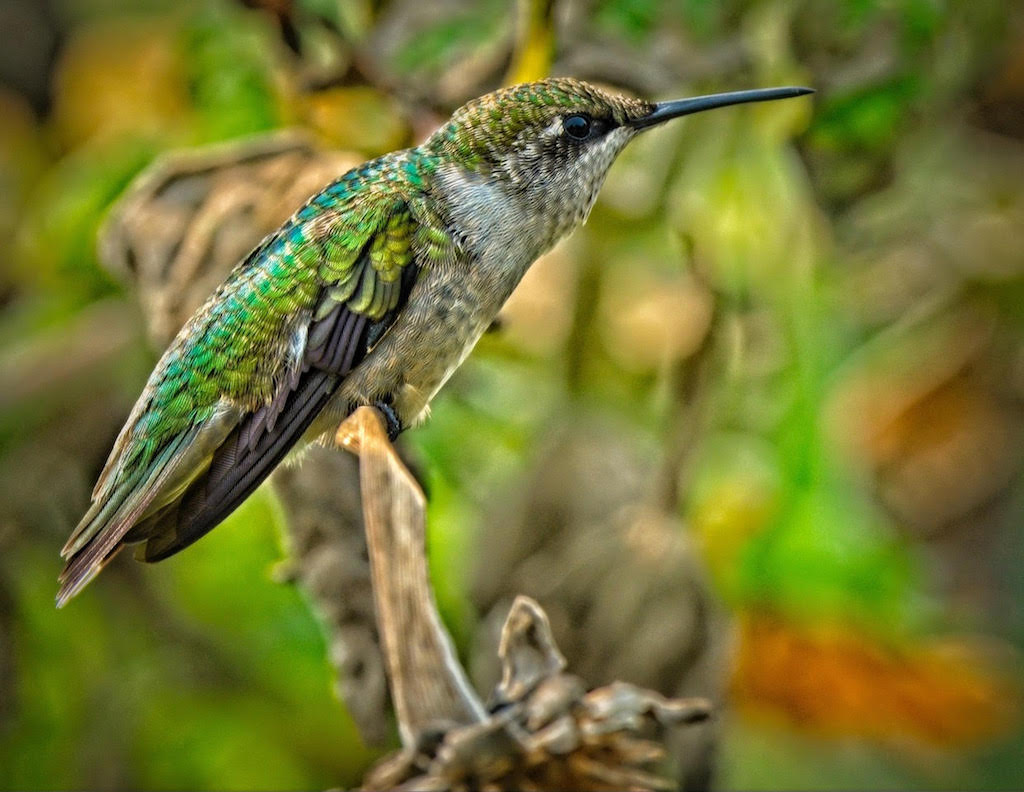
236	351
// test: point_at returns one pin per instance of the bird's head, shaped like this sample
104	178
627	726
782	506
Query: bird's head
551	142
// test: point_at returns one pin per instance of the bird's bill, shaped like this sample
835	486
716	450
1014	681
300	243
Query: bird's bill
664	111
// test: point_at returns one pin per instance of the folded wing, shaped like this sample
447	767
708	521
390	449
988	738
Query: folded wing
243	382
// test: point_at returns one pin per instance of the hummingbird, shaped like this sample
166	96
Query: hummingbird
372	293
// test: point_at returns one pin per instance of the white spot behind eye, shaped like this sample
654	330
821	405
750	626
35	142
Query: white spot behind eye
554	129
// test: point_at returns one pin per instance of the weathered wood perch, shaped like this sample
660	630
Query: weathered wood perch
427	683
543	730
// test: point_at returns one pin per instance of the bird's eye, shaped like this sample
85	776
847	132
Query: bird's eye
578	127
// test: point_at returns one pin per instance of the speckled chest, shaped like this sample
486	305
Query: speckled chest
453	302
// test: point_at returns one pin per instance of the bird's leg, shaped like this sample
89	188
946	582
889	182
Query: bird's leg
394	424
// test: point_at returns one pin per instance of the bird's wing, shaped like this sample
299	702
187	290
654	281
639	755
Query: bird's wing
350	314
246	376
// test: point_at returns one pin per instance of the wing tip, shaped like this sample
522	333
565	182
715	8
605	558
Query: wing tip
68	550
82	563
63	595
79	572
70	586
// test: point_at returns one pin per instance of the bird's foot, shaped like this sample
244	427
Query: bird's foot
394	425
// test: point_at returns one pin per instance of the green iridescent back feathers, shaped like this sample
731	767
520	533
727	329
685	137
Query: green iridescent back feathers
350	245
254	353
236	346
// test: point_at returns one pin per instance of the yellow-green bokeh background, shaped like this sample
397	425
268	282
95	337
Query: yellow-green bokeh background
856	491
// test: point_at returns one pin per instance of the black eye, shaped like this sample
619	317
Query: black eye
577	126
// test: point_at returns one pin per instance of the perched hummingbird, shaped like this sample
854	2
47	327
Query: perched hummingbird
372	293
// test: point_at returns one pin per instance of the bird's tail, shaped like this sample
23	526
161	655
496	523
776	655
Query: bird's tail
98	537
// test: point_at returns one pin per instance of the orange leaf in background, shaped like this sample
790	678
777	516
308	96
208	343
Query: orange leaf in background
837	682
926	416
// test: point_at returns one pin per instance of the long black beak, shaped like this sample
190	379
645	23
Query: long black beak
663	111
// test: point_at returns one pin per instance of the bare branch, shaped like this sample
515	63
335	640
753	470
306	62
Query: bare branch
428	685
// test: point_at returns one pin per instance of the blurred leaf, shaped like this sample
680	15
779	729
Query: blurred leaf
740	198
759	754
360	118
535	42
830	556
735	496
79	12
634	19
945	692
109	695
22	161
447	38
118	79
230	57
57	240
702	19
922	20
868	118
345	14
268	634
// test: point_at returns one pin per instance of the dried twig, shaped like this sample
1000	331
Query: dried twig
544	731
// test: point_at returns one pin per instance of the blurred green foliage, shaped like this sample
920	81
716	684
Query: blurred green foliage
851	255
230	74
239	700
